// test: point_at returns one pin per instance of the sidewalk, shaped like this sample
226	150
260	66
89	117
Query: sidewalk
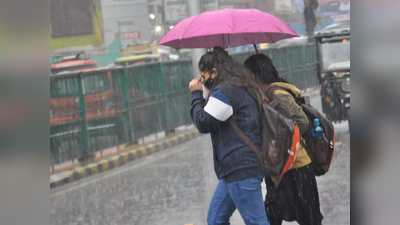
114	157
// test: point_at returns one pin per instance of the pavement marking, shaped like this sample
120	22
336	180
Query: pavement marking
183	137
93	167
115	159
134	153
55	177
160	146
126	156
175	140
152	148
169	143
81	171
105	164
338	143
116	172
68	174
143	150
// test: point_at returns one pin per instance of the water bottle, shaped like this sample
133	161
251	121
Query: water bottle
317	131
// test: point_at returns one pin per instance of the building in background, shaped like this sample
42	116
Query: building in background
157	19
103	29
92	25
176	10
235	4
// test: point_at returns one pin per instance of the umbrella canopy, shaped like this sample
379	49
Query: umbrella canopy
227	28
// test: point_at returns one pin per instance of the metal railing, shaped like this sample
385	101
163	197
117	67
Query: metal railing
92	111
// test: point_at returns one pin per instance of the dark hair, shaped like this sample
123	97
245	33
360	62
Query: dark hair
229	71
264	69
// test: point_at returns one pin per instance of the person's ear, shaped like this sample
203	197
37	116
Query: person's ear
214	73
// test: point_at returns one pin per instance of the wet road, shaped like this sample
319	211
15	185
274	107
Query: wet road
174	187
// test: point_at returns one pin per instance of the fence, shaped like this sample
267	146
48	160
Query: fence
96	110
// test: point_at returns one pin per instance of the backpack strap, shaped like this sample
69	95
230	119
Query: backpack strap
270	92
304	145
299	100
245	138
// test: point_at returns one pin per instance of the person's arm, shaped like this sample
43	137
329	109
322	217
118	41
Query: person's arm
207	118
286	102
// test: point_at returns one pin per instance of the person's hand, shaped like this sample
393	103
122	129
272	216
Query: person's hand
195	85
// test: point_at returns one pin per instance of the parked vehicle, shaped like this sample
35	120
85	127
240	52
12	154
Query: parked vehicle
342	27
334	73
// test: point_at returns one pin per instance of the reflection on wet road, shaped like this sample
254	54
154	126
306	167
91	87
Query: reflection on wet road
174	187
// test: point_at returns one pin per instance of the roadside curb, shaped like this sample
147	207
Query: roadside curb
78	173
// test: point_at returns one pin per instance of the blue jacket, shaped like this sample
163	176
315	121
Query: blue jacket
233	158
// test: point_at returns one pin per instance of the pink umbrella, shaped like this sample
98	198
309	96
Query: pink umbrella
227	28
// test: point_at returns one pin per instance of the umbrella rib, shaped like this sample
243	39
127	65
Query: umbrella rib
270	38
180	40
187	28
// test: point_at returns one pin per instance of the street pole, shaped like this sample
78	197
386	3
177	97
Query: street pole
310	6
195	8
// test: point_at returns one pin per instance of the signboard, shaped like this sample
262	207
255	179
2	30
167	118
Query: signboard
130	17
126	23
150	48
283	6
130	35
176	10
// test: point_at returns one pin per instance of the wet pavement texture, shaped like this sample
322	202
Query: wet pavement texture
174	187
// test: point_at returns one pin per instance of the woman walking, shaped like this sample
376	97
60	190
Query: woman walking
231	88
293	196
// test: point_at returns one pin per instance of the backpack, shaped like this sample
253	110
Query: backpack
320	151
278	152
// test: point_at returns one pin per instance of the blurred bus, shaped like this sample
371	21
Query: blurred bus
137	59
69	63
98	89
104	101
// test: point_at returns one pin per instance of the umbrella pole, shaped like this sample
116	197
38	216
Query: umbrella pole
229	45
255	47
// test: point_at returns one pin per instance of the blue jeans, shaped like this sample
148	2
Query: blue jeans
245	195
